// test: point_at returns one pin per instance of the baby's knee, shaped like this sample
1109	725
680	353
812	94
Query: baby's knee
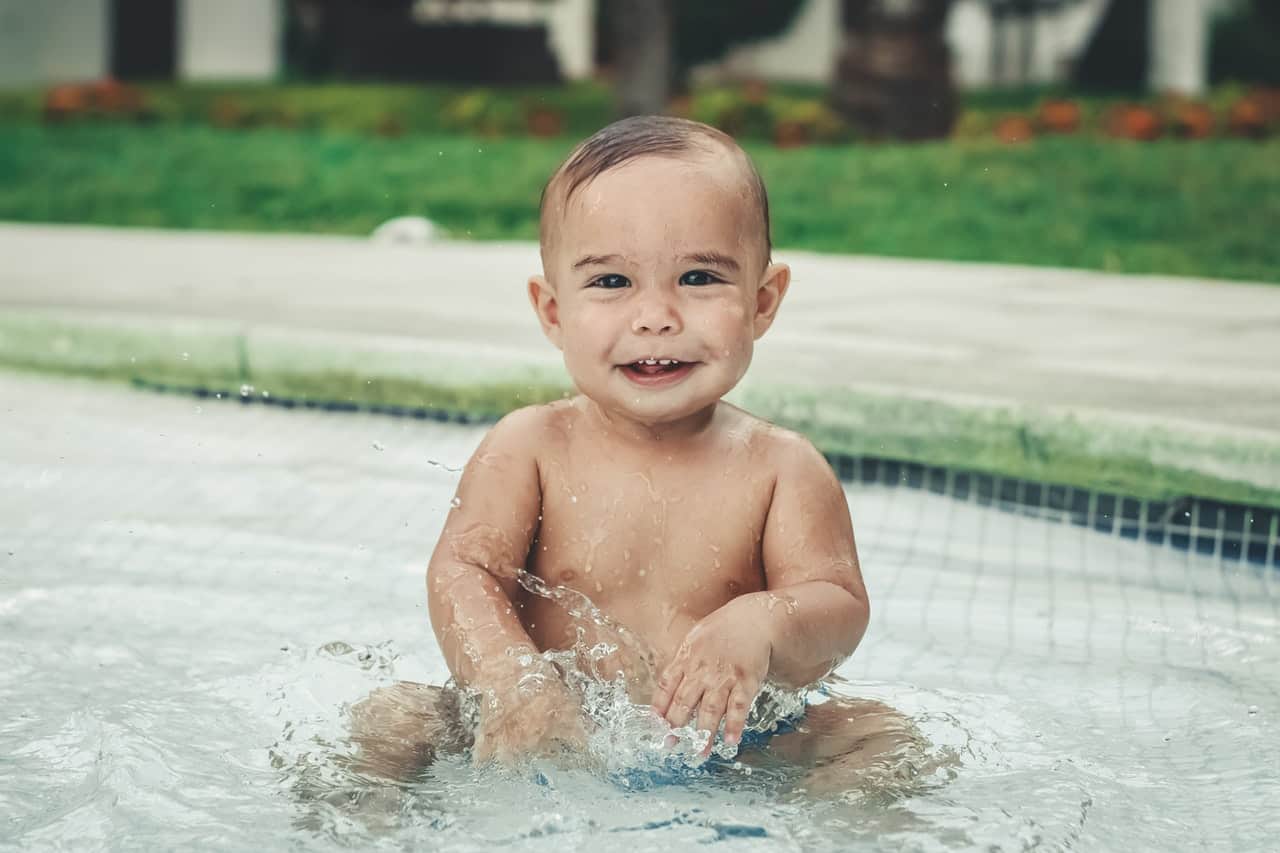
403	727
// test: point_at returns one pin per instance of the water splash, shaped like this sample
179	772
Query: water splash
629	741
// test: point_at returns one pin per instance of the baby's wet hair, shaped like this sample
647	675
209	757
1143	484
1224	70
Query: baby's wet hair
642	136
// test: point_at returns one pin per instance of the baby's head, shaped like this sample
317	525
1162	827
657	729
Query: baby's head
655	247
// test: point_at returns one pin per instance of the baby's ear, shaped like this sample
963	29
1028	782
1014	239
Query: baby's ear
773	286
543	300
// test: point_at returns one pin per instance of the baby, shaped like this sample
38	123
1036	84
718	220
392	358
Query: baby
720	545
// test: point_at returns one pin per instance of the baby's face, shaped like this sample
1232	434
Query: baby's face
655	286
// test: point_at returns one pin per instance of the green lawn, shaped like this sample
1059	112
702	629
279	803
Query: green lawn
1206	208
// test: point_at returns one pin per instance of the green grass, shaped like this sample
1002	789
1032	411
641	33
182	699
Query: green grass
1199	209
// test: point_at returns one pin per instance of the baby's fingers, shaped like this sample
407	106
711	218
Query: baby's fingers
668	683
683	702
711	712
735	718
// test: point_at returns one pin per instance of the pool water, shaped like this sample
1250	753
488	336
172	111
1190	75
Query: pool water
193	592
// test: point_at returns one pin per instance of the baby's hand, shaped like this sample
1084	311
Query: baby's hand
718	670
536	716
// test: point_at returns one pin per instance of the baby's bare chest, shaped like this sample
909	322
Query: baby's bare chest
664	537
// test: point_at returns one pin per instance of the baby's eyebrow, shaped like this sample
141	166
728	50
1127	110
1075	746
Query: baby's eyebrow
713	259
595	261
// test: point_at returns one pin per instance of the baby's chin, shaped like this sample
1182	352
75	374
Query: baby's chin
655	413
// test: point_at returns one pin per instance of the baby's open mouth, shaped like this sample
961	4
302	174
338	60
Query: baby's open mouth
654	370
653	366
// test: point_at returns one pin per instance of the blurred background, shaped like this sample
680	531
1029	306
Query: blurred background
1124	135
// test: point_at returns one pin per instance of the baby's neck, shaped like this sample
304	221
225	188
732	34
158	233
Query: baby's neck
672	434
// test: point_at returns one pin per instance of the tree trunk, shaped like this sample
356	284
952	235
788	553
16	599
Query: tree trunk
893	77
641	34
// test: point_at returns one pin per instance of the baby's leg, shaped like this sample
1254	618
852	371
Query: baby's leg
852	743
402	728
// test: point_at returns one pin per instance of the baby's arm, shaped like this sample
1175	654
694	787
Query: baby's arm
811	616
472	588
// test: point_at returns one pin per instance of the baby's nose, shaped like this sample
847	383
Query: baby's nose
656	316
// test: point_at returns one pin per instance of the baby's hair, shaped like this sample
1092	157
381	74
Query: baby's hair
640	136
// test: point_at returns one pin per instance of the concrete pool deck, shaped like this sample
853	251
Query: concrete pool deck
1146	385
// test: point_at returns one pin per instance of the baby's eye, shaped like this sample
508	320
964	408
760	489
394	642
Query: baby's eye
610	281
696	277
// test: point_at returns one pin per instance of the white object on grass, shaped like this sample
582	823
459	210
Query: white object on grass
407	231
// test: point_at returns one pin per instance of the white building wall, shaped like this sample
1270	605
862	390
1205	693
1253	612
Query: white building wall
805	52
971	35
1179	46
230	39
1057	38
50	41
571	31
808	50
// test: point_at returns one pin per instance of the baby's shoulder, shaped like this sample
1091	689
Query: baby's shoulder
532	428
786	452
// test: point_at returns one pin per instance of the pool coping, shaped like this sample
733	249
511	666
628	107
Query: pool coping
1097	451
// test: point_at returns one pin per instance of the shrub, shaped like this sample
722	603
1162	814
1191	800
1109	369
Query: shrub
106	98
1247	118
808	121
1133	121
1015	128
1190	119
1058	116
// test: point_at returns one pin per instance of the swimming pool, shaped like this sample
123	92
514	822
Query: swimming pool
192	592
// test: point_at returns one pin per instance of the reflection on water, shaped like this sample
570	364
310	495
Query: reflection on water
192	601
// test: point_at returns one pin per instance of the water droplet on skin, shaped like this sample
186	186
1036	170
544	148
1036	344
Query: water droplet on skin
573	499
456	502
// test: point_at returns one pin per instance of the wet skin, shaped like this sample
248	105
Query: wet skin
723	544
657	540
718	548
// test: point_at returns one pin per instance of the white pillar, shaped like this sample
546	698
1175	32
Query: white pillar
53	41
571	33
1179	43
230	39
970	33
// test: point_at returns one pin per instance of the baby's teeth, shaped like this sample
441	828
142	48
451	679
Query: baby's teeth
665	361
